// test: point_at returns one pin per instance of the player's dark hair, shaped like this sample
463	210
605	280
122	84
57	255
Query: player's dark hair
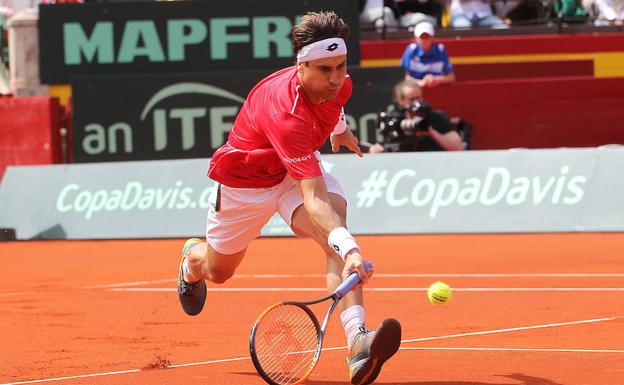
315	26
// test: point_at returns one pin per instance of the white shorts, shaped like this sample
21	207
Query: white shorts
236	215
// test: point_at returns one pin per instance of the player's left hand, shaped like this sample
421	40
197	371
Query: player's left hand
346	139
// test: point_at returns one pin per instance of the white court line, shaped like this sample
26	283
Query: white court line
546	350
207	362
381	275
224	289
513	329
453	275
74	377
336	348
376	289
136	283
495	289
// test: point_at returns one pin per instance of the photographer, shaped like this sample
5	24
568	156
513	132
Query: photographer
414	126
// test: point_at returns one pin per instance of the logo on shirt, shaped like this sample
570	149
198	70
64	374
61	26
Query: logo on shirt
295	160
332	47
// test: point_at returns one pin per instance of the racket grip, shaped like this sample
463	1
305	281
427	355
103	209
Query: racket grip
352	280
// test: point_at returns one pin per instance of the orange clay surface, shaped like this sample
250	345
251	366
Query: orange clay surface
529	309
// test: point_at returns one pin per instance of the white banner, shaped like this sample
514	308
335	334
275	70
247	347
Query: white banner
553	190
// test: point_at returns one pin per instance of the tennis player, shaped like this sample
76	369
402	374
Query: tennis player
270	163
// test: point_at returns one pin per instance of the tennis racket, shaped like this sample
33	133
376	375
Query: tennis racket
286	340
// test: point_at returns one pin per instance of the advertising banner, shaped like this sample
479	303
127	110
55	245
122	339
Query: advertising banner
168	116
558	190
175	36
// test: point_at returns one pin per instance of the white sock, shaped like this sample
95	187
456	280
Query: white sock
186	270
352	319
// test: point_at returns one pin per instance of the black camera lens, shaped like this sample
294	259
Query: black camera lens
420	107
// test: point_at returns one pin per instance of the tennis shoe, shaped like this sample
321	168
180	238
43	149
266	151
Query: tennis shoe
370	349
192	295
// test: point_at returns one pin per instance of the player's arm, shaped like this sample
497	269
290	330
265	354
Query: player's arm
331	225
343	136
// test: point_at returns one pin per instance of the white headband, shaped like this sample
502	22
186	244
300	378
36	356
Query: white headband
322	49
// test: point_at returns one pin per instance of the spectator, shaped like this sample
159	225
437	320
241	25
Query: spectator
411	12
474	13
609	11
375	15
414	126
12	7
425	60
521	11
5	14
570	11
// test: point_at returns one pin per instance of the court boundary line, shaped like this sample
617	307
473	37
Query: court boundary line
372	289
383	275
506	330
538	350
494	331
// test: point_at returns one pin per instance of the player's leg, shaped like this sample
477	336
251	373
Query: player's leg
201	261
235	218
204	262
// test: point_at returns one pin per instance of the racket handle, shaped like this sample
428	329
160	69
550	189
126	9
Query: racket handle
352	280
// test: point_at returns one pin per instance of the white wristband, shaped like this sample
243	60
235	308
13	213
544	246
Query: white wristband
341	126
341	240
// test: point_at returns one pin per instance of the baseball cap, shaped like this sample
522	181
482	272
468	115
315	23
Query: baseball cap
424	27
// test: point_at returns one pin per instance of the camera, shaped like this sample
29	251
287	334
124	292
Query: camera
399	131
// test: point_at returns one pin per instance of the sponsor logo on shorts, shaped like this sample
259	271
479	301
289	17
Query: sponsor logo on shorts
295	160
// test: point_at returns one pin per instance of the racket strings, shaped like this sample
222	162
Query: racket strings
286	342
289	347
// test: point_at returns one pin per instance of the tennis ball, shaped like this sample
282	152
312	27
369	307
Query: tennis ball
439	293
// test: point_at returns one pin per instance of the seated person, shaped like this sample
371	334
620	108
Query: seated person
426	61
474	13
521	11
5	14
411	12
375	15
414	126
609	12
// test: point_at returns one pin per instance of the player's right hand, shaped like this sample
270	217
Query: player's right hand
354	262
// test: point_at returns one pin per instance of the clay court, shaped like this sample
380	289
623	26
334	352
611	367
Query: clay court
527	309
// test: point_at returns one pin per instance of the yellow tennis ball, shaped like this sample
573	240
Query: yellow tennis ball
439	293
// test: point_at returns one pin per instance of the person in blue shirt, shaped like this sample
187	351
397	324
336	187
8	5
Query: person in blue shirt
425	60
